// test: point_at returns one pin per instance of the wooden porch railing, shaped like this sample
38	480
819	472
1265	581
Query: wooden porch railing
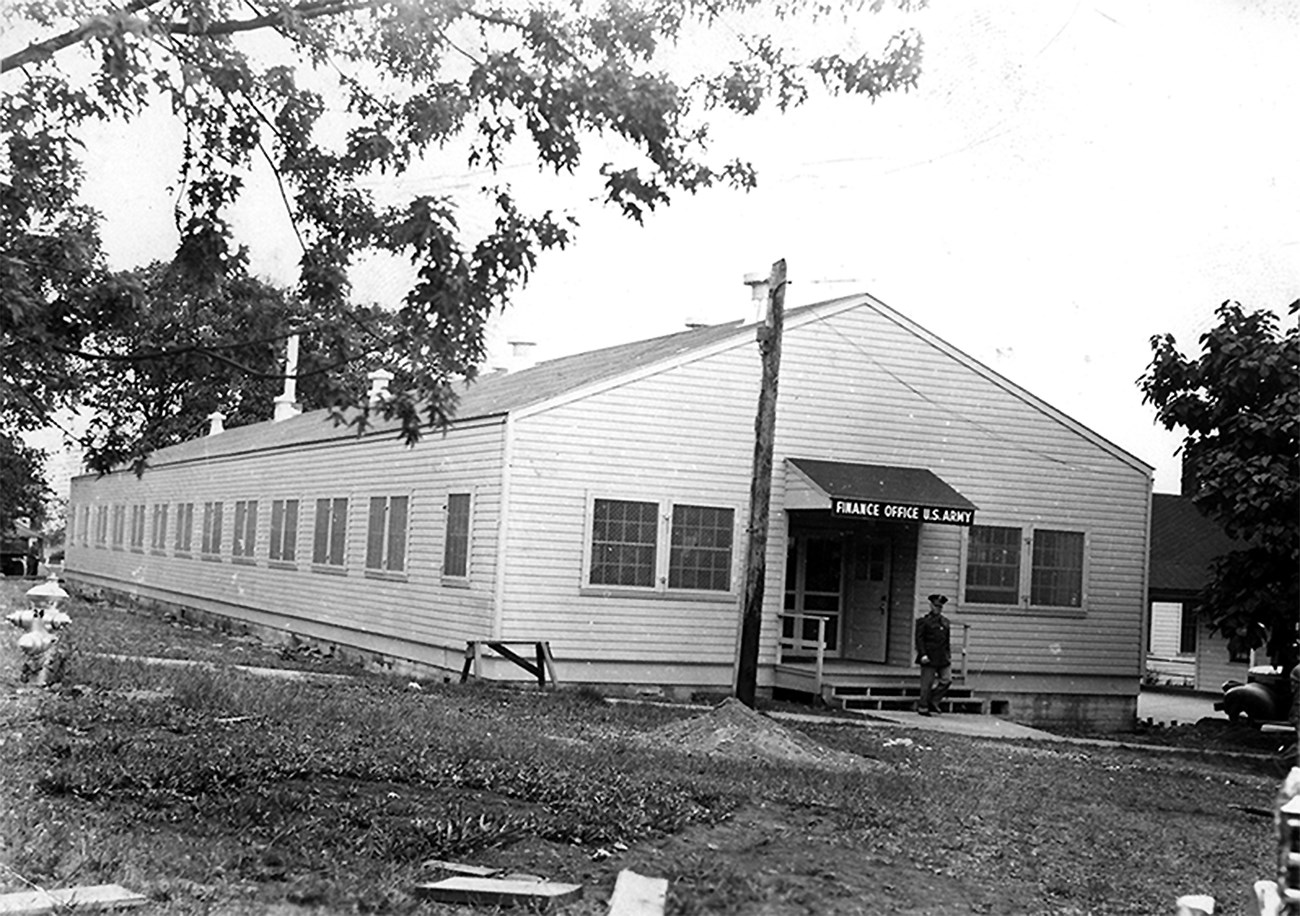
799	645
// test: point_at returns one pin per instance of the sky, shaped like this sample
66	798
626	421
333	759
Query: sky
1069	179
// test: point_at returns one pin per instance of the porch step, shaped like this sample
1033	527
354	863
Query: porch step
902	696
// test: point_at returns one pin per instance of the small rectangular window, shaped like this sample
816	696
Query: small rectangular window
243	540
137	527
700	555
993	565
284	530
1057	578
119	527
210	545
158	541
101	526
455	550
624	542
184	527
330	535
386	534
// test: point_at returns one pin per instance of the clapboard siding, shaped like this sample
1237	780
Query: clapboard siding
674	425
858	387
415	606
679	435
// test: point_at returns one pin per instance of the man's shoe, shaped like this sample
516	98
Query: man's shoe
923	712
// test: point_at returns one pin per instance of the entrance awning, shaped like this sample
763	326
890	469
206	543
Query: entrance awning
875	492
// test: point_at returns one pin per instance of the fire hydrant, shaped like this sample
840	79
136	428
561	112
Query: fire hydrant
41	623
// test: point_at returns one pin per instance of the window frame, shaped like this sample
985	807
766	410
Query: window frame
158	530
137	527
243	536
384	568
183	542
280	535
213	523
119	526
101	526
324	562
458	579
1024	603
660	587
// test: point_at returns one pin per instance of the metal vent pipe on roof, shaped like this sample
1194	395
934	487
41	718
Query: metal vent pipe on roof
758	290
216	423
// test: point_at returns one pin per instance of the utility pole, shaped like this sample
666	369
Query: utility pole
760	488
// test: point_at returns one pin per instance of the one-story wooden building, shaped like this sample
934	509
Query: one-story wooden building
599	502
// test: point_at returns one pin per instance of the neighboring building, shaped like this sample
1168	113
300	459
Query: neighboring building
600	501
1182	650
21	550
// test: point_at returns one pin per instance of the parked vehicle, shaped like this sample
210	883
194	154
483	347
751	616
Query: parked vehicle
1265	697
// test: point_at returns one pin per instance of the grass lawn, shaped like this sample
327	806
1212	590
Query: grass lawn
212	790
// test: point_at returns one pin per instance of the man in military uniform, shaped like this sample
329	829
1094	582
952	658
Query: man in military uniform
934	655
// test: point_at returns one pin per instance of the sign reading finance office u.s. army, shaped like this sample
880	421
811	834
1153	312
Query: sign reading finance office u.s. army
898	512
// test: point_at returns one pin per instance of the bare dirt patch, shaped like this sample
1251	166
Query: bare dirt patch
736	732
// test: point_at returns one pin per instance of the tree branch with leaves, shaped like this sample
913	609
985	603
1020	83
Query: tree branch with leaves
399	82
1238	404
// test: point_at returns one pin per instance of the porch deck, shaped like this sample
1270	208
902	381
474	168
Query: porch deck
864	686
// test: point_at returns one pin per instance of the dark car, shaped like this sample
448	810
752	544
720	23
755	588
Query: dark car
1265	697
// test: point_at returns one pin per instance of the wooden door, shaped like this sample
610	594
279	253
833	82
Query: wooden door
866	612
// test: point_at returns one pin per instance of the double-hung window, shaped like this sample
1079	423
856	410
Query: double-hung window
284	530
158	538
137	527
243	541
386	534
330	536
101	526
119	527
184	528
456	540
662	546
210	544
1031	567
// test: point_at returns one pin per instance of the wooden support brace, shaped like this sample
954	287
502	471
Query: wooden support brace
541	669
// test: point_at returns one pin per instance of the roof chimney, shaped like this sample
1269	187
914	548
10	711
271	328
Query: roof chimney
379	392
216	423
757	284
521	354
286	404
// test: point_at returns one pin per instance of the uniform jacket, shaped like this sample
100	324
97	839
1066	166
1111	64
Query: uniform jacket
932	639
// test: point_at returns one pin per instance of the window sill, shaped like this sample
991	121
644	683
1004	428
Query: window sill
329	570
1015	610
386	575
210	558
455	582
282	564
243	561
158	552
595	591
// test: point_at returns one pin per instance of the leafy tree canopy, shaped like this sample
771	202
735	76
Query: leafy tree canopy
329	94
1239	403
23	489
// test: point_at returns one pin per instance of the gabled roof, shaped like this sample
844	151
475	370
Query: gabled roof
1183	544
499	394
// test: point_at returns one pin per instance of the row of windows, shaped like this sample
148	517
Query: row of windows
172	527
636	544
